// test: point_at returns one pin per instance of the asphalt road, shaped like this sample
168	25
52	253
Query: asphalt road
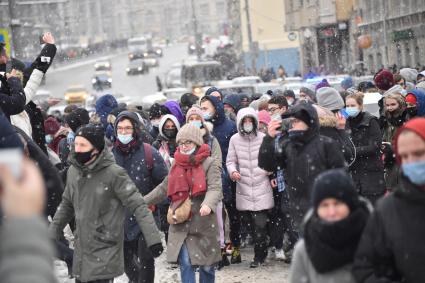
81	73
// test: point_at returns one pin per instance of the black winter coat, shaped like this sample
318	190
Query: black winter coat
302	160
12	96
392	246
367	137
367	169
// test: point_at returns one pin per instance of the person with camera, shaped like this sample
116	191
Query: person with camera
302	153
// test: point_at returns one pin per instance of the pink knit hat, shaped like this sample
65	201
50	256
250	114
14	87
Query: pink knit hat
195	110
264	117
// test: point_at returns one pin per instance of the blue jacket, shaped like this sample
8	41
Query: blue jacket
136	166
104	106
223	130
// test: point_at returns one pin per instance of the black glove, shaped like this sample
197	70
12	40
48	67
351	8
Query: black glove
156	250
45	58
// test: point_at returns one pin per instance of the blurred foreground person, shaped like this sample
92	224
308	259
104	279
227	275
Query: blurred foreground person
26	254
332	231
392	247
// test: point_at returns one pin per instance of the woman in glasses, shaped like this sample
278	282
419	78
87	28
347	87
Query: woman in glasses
194	181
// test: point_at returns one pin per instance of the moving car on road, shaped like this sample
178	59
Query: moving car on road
76	94
103	66
101	80
137	66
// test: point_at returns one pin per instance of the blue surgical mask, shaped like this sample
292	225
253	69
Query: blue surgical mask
125	139
48	139
70	137
207	116
415	172
352	111
188	152
197	124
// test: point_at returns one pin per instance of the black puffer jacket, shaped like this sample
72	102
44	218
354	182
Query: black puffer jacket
302	160
367	137
392	245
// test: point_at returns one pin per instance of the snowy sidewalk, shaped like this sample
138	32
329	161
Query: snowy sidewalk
271	272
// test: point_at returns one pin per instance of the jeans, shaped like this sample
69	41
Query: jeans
187	271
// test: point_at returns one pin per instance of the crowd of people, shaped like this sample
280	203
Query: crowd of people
313	180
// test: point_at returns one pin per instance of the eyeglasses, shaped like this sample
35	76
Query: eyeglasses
124	129
185	143
273	109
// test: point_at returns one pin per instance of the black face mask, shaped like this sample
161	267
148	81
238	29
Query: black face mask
170	133
83	157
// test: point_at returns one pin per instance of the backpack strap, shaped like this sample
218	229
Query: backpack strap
148	156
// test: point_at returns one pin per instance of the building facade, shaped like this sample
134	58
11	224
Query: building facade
397	29
324	28
272	45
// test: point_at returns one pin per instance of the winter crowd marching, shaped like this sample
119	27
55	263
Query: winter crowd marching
313	180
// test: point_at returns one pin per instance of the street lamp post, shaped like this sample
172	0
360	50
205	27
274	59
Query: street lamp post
251	43
198	38
13	25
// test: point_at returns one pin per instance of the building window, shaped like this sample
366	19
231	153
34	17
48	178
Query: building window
379	64
417	56
399	56
408	56
220	7
204	10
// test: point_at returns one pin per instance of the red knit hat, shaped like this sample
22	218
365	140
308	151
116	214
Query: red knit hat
416	125
51	126
384	79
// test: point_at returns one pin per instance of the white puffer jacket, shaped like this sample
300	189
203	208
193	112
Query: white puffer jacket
253	190
22	120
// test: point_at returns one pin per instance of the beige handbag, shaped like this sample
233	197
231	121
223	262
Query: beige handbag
181	213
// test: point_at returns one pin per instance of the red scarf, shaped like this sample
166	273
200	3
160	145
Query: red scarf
186	176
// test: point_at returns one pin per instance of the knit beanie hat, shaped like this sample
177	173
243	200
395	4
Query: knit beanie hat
157	110
77	118
195	110
51	126
329	98
384	79
190	132
94	133
409	74
334	183
264	117
213	89
323	83
347	83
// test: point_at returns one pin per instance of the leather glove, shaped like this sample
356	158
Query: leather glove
45	58
156	250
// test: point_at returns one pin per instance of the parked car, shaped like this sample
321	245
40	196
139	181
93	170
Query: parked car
247	80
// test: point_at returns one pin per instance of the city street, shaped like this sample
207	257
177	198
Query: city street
81	73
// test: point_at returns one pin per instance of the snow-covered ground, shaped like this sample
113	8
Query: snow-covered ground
271	272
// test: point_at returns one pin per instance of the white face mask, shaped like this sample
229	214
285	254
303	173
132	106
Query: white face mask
188	152
248	127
